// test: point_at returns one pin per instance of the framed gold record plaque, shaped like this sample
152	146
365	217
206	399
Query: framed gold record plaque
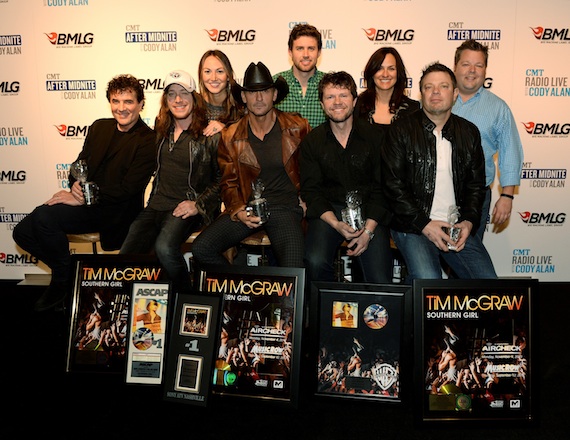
100	311
474	350
258	351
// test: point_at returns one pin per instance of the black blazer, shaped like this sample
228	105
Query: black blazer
129	168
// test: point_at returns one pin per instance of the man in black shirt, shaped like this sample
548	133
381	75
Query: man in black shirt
339	157
120	156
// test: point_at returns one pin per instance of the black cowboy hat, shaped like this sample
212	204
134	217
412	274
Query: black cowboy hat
257	77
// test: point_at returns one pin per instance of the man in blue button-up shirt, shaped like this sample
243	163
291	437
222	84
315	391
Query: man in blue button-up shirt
495	121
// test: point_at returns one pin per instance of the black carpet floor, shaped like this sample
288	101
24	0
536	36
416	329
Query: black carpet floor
41	400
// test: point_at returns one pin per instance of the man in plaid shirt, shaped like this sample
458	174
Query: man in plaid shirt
303	78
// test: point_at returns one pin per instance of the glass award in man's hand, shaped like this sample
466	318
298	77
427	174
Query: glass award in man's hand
453	231
257	206
90	189
352	214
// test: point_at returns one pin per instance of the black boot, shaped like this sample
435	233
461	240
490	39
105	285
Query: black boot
55	294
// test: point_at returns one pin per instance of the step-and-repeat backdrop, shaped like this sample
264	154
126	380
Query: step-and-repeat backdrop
56	57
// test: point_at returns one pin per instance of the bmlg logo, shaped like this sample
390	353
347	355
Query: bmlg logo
228	36
540	128
71	130
539	218
69	39
9	87
547	34
12	176
389	35
17	259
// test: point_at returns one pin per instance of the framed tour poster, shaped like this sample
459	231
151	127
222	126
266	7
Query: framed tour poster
474	349
99	327
148	333
357	339
259	348
193	339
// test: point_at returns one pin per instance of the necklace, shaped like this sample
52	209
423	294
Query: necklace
171	142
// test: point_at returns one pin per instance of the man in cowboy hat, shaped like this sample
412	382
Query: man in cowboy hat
262	148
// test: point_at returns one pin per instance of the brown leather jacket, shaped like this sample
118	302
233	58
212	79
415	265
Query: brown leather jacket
240	167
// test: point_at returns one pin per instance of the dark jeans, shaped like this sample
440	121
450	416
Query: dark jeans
485	214
322	243
283	229
43	233
163	233
423	258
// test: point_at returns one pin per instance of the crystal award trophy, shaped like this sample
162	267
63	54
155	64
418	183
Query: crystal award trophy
90	189
453	232
352	214
257	207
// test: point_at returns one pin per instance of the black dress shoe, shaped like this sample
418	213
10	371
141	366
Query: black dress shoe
53	296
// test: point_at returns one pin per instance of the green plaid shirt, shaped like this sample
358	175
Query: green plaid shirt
309	105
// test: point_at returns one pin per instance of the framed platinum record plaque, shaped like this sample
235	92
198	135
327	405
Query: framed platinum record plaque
474	350
357	340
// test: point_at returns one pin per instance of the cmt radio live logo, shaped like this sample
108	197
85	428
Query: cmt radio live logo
551	35
231	36
70	40
326	34
543	219
12	136
395	36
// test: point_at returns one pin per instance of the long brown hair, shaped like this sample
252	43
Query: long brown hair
368	97
232	108
164	120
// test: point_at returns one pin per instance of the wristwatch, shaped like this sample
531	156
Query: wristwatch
370	233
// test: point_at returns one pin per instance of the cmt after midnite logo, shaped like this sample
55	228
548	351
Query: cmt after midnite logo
468	307
10	219
10	44
550	35
231	36
71	88
402	36
241	289
488	37
151	41
543	177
